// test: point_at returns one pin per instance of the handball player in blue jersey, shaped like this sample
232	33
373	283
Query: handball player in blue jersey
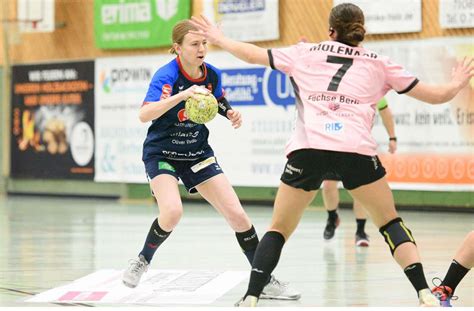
177	148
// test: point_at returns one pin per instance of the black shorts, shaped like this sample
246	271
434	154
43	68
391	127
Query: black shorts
307	168
192	173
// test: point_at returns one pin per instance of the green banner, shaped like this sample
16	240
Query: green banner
127	24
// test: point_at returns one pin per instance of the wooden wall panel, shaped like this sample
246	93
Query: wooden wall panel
297	18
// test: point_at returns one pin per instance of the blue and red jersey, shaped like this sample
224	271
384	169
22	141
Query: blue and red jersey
173	136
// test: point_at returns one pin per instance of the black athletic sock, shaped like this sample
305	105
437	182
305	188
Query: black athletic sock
455	274
266	259
155	237
332	215
415	274
248	241
360	225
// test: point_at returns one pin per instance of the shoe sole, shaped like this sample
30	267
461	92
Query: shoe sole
129	284
263	296
362	244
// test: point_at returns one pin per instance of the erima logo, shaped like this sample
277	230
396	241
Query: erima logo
256	270
137	12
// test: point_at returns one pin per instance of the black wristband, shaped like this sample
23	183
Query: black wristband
223	106
393	138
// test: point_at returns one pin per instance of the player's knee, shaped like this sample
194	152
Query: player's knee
396	233
171	215
238	219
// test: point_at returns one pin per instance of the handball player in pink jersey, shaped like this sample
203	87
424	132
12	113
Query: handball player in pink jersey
337	85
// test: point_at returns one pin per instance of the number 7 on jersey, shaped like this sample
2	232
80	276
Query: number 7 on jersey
336	79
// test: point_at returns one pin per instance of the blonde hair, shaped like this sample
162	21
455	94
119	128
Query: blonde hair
179	31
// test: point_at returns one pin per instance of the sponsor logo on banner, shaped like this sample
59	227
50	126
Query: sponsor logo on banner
258	87
123	79
245	20
128	24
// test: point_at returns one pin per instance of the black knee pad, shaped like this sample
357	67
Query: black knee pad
396	233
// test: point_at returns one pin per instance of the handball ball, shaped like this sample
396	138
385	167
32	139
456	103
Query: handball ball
201	108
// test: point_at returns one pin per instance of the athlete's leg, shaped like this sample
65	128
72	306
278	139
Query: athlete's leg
331	203
165	190
220	194
465	253
359	211
330	195
377	199
463	261
289	206
361	238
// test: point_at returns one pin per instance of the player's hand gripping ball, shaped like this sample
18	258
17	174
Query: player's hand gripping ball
201	108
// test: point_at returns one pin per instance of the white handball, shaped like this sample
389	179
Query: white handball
201	108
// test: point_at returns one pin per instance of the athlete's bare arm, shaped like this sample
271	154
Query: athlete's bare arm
438	94
247	52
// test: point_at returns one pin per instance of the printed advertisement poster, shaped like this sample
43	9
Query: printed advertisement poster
435	142
52	121
127	24
122	84
384	16
456	13
245	20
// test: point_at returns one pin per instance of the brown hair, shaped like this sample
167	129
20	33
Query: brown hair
179	31
347	20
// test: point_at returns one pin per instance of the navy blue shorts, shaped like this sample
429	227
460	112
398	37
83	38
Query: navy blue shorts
192	173
307	168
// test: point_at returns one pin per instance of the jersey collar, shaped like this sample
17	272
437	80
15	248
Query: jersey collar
203	68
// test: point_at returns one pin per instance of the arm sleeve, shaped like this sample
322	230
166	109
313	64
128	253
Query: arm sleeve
398	78
223	106
161	87
382	104
283	59
219	93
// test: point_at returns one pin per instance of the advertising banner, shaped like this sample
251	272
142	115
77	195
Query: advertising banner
128	24
435	142
52	121
388	16
456	13
245	20
121	87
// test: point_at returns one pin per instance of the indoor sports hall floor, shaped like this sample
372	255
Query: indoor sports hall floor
48	242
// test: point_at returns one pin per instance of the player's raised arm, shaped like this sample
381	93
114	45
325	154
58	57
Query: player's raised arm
438	94
247	52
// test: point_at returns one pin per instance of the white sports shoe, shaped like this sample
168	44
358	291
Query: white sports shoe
279	290
131	277
249	301
427	299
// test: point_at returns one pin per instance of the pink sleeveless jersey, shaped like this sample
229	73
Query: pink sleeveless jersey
337	89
